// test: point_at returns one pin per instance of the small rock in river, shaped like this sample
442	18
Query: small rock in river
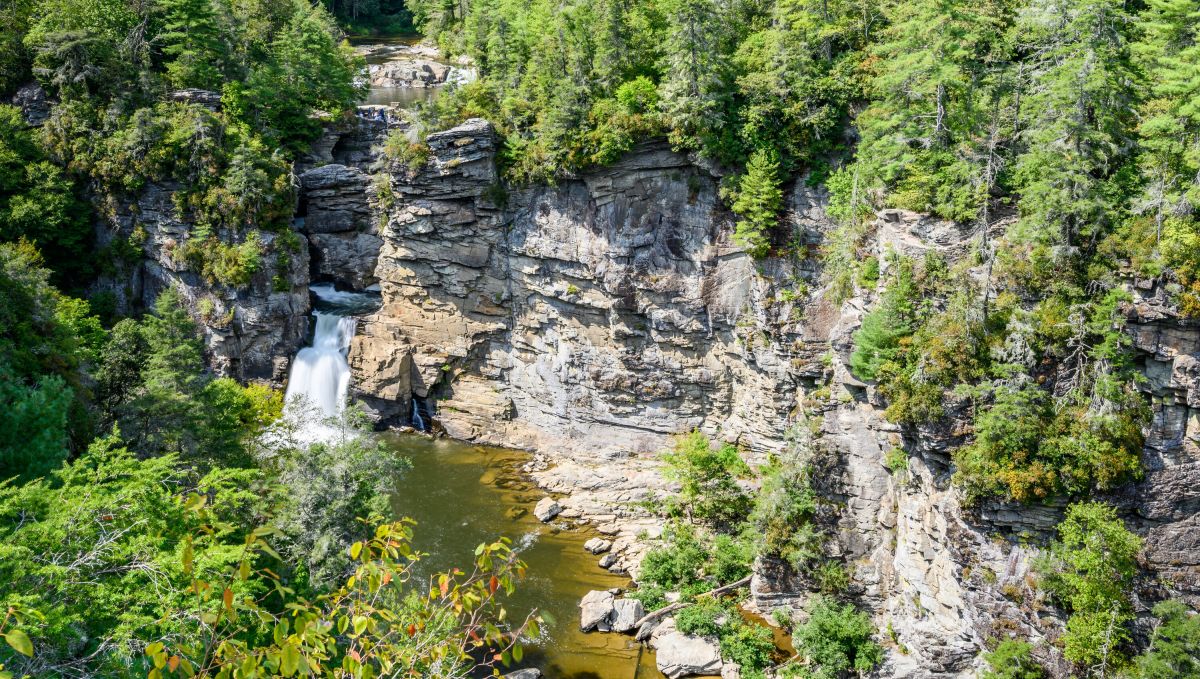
531	673
597	545
608	560
515	512
547	508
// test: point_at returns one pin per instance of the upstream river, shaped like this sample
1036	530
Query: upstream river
462	495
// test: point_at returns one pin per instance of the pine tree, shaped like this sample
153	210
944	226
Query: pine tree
929	110
692	90
1077	117
192	36
1169	53
758	202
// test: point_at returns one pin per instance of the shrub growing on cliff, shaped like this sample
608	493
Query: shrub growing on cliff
708	477
835	640
1011	659
1090	570
878	341
1175	645
784	510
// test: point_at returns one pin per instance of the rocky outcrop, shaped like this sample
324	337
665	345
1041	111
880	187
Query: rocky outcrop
337	217
251	331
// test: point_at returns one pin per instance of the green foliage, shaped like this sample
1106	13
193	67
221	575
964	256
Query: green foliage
93	548
1011	660
701	618
1174	649
39	203
758	202
374	623
573	84
1090	570
328	486
151	384
878	341
229	264
399	149
679	564
930	97
708	476
750	646
45	338
836	639
784	510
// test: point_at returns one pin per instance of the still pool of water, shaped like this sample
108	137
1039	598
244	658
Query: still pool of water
462	495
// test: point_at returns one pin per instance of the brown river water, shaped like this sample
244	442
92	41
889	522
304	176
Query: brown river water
462	495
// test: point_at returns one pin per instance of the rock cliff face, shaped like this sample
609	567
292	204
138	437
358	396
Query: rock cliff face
594	319
250	332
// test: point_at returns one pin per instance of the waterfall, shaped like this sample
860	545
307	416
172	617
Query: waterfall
320	374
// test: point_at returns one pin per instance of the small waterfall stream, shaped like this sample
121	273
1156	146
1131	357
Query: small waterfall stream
320	375
320	378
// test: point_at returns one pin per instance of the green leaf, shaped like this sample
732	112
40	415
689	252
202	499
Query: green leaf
291	660
355	549
20	642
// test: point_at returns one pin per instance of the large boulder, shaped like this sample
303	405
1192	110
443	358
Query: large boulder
596	610
626	613
683	655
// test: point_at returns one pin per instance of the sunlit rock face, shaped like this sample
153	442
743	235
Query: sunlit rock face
593	319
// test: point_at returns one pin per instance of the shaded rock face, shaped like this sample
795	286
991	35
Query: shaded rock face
337	217
250	333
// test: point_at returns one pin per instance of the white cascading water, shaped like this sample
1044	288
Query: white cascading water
320	374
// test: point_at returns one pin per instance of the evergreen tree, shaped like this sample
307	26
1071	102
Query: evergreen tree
695	71
929	107
1169	53
1174	651
1077	117
758	202
191	36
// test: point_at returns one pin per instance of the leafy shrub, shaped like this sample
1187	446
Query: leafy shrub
750	646
1090	570
708	476
701	618
413	155
679	563
836	639
1011	660
784	511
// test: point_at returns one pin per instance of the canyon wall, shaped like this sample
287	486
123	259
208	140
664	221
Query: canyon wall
593	319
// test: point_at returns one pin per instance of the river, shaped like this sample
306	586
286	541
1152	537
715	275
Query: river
462	495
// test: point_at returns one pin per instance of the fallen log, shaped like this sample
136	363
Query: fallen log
671	608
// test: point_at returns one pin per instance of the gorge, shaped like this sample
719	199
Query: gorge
593	320
600	340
